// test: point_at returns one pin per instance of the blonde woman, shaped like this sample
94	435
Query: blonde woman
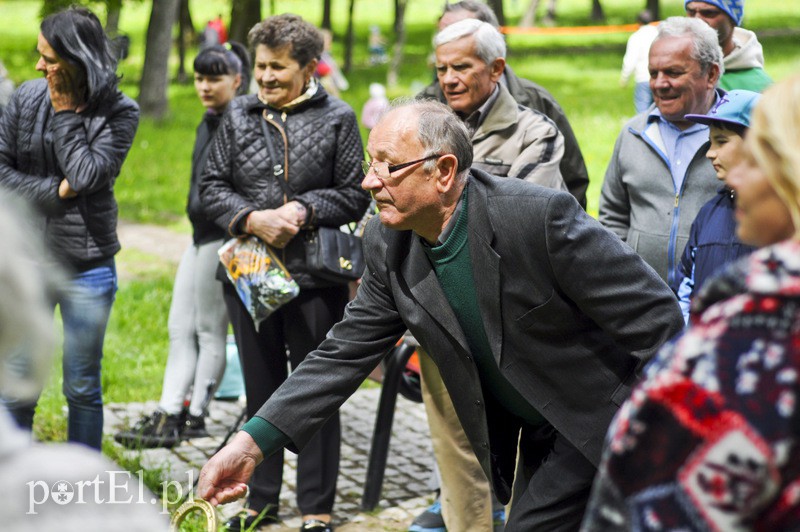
710	439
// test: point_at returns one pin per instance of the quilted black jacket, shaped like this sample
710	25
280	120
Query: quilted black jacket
38	148
324	153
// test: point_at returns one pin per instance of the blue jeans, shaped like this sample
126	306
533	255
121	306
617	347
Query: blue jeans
85	308
642	97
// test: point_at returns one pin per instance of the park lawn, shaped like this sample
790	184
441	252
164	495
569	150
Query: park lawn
581	71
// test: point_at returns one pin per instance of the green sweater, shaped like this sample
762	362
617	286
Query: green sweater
453	267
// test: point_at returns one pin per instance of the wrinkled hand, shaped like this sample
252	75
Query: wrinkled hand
224	478
65	191
276	227
65	89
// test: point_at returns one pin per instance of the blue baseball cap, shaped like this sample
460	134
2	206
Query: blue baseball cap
734	107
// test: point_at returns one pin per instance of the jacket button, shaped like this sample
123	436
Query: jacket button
485	445
478	403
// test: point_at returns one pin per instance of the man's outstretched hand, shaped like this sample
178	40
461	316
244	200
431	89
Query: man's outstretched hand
224	478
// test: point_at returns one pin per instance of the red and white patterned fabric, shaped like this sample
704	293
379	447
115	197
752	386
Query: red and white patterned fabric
709	440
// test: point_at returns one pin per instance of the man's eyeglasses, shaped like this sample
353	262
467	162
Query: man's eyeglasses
383	170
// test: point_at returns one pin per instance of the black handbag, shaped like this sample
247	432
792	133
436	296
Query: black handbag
334	255
331	254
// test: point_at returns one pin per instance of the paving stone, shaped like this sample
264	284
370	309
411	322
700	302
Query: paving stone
405	490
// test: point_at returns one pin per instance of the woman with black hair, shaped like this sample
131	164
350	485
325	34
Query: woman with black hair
198	321
63	140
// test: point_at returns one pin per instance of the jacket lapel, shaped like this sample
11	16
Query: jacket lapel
428	292
485	265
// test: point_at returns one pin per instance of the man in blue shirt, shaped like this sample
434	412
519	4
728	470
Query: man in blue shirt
658	177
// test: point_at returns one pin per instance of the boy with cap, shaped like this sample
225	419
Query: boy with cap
743	55
712	240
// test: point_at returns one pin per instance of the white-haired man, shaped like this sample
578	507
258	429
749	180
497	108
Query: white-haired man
658	176
508	140
537	318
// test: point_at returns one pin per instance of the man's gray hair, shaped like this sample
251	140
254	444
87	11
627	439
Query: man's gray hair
440	131
479	11
489	42
705	50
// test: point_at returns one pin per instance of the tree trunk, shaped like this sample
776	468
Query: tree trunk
348	40
244	15
400	40
528	19
186	36
654	8
399	8
113	9
153	85
326	15
186	22
497	7
597	11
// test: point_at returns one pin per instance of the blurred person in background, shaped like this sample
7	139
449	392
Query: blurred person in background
635	62
314	141
709	441
198	320
63	139
35	474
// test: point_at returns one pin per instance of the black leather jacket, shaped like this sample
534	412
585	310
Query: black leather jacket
39	148
319	139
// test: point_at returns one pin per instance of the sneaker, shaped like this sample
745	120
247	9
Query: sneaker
315	525
159	429
499	520
430	520
194	427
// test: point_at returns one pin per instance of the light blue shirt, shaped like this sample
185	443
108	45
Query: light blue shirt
681	145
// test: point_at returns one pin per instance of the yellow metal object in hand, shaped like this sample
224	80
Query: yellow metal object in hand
188	508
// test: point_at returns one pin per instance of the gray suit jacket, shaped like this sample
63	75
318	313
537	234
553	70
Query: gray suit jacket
570	311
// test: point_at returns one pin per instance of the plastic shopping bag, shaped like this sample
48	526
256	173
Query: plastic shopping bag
261	280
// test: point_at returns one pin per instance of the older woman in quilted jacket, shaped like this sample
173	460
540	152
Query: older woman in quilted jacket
63	139
711	440
315	144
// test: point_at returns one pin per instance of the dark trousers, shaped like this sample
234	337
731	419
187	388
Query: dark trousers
552	484
288	335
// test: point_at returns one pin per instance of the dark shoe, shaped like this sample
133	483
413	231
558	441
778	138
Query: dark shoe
159	429
430	520
194	427
247	521
315	525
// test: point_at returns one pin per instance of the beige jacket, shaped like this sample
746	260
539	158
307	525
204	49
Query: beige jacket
514	141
